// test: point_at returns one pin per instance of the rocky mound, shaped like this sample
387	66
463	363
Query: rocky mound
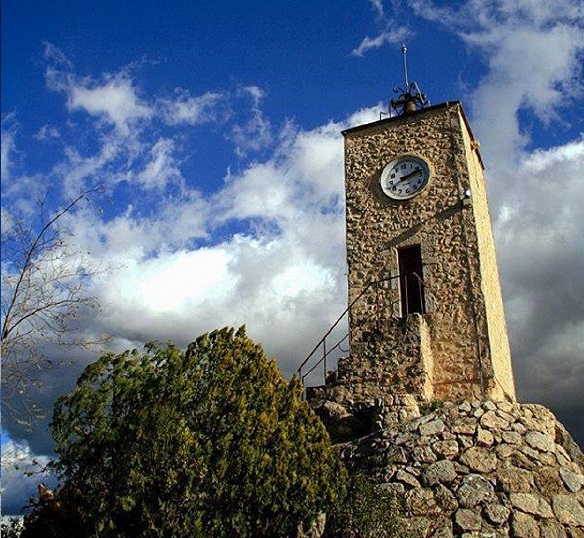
480	469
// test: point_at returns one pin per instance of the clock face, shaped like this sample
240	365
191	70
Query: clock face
405	177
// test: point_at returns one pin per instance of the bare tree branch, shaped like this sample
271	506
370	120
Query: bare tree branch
44	294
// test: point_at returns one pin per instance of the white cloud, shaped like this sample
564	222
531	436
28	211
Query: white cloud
161	168
8	134
114	100
46	132
390	35
391	30
256	133
193	110
317	158
280	275
377	6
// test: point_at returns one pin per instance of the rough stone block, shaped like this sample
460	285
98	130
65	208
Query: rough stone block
421	502
568	510
441	472
524	526
468	520
474	490
540	441
479	459
571	480
496	513
432	428
531	504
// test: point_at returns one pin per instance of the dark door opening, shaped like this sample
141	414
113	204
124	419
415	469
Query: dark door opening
410	281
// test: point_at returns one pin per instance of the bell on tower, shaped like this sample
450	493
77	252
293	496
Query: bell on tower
426	316
410	96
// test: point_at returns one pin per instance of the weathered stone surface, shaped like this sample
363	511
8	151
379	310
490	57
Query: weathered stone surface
514	479
506	490
540	441
572	481
415	526
445	498
484	437
474	489
504	450
408	479
492	421
531	504
478	413
488	405
446	449
465	427
444	530
496	513
519	428
442	472
467	520
394	488
552	529
568	510
540	419
424	454
479	459
421	502
512	438
505	416
465	407
432	428
548	481
524	526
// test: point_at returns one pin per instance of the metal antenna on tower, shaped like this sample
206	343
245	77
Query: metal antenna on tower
404	50
410	97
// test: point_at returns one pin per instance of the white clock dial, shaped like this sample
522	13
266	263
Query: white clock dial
405	177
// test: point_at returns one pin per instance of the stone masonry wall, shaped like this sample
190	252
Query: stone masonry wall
466	341
489	273
478	469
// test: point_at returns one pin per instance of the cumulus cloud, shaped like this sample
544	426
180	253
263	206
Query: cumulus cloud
113	98
279	274
541	253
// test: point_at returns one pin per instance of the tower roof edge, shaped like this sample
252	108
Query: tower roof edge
421	112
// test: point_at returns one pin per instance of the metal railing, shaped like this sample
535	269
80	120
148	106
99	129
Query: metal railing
327	350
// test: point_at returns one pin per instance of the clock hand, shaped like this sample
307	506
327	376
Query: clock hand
410	175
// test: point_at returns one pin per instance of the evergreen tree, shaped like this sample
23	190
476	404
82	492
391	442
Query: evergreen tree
208	442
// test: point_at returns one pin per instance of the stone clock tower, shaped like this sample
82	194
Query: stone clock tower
426	315
426	325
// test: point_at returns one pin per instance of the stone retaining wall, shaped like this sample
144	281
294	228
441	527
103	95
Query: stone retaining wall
480	469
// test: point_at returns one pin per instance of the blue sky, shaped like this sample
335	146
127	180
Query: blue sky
214	128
